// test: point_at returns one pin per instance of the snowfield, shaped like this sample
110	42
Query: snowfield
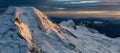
28	30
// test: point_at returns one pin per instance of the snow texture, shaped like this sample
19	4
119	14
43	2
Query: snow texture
28	30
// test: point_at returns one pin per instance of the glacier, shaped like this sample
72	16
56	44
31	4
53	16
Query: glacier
28	30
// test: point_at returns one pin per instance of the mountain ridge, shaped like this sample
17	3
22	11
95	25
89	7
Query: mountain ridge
28	30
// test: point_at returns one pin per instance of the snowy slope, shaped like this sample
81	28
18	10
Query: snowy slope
28	30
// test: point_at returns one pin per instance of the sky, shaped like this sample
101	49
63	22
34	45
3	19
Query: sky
52	5
68	7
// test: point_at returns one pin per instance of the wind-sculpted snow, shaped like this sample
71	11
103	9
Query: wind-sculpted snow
28	30
11	40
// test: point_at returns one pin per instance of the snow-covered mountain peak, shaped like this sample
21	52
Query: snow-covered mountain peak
30	14
28	30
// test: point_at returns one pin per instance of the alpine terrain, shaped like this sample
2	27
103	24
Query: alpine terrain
28	30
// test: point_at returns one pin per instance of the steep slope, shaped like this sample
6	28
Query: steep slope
28	30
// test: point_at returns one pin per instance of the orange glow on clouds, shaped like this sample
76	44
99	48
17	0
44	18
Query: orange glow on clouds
85	13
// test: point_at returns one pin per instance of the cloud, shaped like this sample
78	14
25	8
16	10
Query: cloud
110	0
67	5
82	2
103	0
6	3
63	0
20	1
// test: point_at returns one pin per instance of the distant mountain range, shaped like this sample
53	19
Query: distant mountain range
108	26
